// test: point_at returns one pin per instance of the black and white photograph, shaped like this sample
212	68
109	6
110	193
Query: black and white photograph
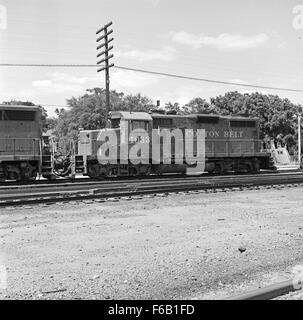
151	151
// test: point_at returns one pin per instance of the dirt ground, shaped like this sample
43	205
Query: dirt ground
197	246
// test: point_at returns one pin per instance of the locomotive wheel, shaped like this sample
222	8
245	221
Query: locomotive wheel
49	177
15	176
211	168
147	171
29	173
111	172
256	165
133	171
14	173
33	176
158	170
249	167
218	169
93	171
241	167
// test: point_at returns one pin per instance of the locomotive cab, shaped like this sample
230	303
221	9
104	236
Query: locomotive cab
130	120
128	127
132	128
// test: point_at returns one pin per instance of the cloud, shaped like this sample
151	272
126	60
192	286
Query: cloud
238	81
153	2
60	76
166	53
50	86
184	93
60	82
122	79
224	41
280	42
27	93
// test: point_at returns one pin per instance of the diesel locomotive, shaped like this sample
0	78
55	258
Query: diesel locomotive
232	144
22	153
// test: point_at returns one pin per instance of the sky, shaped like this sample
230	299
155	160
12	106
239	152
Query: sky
242	41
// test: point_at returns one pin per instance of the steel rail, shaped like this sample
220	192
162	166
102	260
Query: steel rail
85	180
146	188
100	184
148	179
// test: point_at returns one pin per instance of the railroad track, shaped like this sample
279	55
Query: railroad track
87	182
85	179
101	191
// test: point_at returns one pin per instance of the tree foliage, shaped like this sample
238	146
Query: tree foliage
194	106
173	108
89	111
276	115
198	105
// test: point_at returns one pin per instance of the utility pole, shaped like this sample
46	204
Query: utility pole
298	116
105	59
299	139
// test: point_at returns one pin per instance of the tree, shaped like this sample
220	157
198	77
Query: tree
137	103
173	107
275	114
198	105
89	111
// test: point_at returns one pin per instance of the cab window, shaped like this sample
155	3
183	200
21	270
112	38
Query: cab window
18	115
139	124
115	123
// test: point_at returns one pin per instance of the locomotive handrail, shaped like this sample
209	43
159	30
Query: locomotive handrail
213	139
18	156
214	147
37	139
40	158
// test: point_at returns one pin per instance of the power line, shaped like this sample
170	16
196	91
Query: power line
210	81
154	73
48	65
